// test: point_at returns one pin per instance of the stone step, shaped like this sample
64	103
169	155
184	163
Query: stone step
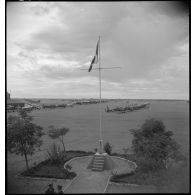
98	162
102	157
97	169
98	165
102	160
98	159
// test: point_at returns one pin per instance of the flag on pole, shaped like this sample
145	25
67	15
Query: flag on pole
95	58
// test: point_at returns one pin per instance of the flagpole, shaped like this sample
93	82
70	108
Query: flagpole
100	102
96	59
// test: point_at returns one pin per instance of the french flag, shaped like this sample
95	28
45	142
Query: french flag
95	58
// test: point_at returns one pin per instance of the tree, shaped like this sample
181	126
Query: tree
153	144
23	136
58	133
108	148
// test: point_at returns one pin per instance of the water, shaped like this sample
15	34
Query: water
83	121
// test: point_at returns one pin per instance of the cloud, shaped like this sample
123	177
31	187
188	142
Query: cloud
170	8
148	40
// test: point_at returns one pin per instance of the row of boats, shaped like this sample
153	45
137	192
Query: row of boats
128	108
34	105
84	102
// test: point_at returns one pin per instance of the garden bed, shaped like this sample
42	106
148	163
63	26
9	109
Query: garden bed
49	169
175	176
136	177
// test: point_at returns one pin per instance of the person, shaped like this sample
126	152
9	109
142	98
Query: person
60	189
50	189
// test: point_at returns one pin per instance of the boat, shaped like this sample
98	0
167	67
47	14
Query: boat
128	108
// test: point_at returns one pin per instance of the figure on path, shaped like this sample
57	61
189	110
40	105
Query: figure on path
50	189
60	190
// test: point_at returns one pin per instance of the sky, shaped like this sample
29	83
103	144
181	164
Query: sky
48	43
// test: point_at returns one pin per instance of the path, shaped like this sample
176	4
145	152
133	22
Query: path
89	181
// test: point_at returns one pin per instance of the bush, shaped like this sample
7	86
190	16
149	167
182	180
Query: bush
53	166
68	167
118	177
55	155
108	148
50	171
153	145
148	165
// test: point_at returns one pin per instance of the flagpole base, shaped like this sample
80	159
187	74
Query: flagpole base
101	146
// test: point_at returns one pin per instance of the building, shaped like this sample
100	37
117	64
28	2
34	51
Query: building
15	103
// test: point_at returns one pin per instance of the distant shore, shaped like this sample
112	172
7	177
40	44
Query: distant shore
108	99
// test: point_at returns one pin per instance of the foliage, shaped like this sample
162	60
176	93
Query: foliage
68	167
45	169
50	169
54	154
108	148
24	114
173	180
56	157
23	136
153	145
58	133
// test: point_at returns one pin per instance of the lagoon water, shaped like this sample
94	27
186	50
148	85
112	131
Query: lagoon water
83	121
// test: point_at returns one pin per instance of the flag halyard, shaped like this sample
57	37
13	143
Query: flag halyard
95	58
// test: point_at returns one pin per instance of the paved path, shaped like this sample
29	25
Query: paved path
89	181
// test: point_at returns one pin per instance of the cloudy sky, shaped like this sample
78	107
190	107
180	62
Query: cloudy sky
48	43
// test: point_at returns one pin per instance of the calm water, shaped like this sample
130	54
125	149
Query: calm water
83	121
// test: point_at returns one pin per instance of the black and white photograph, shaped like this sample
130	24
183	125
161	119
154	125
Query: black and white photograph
97	97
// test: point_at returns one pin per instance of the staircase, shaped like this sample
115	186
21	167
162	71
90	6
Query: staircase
98	163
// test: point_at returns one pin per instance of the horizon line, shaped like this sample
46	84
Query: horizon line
103	98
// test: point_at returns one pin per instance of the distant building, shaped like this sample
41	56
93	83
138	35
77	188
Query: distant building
15	103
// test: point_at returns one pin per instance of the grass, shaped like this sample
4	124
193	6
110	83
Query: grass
49	169
174	179
137	177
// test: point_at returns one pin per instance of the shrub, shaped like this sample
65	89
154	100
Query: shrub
117	177
55	155
68	167
108	148
49	171
153	145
